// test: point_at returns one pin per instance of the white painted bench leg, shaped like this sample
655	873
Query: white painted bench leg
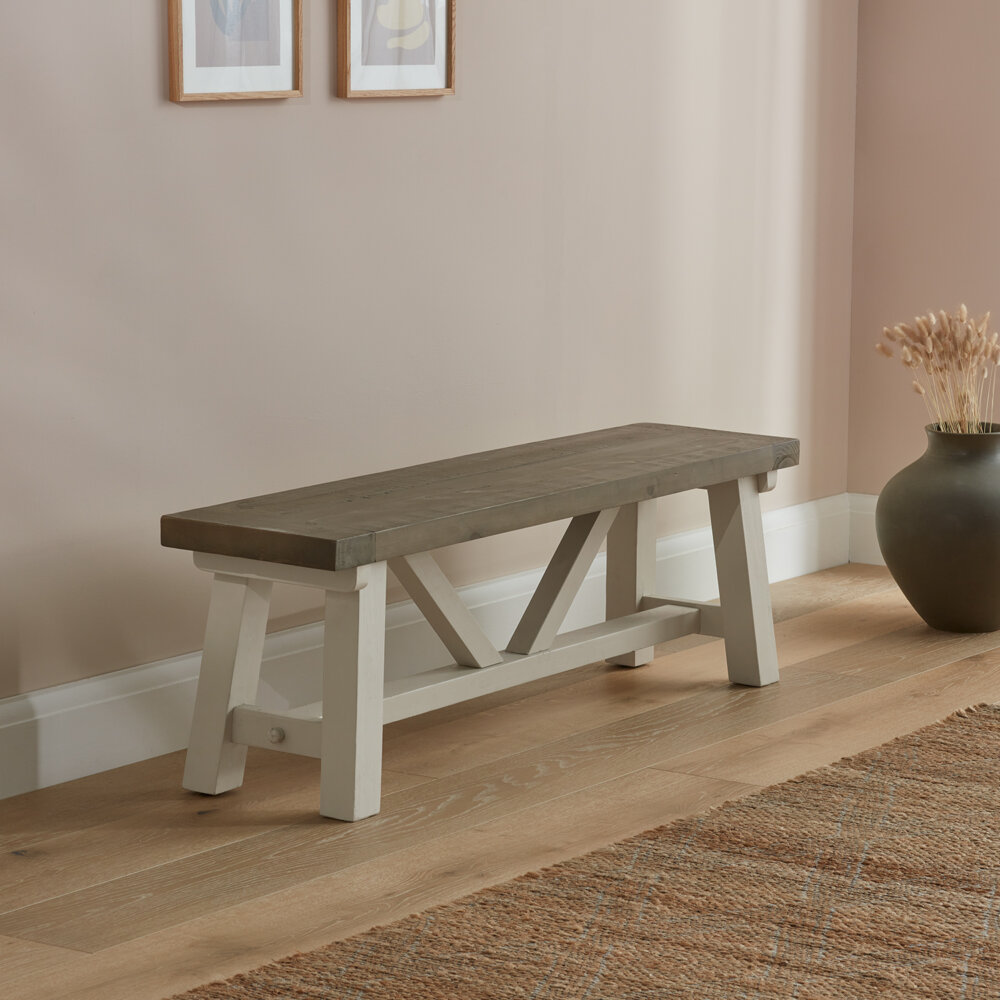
631	568
751	655
230	670
353	667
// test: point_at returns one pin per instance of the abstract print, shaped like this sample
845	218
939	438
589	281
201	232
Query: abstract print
237	33
398	33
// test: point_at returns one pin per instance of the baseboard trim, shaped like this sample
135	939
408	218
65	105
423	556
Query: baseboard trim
74	730
864	543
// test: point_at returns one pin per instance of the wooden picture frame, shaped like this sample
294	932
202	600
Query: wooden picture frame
235	50
395	48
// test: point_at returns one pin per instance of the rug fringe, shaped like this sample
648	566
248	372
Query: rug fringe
964	713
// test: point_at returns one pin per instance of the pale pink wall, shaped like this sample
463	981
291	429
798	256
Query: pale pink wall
927	202
628	212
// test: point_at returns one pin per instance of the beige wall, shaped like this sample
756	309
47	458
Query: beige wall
630	212
927	203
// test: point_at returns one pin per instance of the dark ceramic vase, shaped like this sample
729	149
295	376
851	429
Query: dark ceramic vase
938	526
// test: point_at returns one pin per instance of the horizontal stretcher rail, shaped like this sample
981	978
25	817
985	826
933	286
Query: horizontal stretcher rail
298	730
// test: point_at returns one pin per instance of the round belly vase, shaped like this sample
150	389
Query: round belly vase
938	526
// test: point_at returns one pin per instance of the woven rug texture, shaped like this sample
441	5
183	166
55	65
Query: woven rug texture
876	877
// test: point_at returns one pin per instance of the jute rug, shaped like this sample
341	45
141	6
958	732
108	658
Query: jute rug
876	877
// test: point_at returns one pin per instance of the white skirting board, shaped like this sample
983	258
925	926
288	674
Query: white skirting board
93	725
864	544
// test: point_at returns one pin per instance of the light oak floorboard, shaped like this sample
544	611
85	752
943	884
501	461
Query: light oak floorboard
136	789
873	717
824	735
90	801
21	961
805	594
390	888
673	738
124	908
181	826
110	912
166	831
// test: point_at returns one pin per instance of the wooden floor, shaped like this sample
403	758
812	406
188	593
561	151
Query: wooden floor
123	887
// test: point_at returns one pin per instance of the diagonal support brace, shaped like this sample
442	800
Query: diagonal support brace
443	608
561	581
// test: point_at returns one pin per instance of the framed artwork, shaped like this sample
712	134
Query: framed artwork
228	50
395	48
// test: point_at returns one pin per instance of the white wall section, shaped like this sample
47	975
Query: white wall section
637	213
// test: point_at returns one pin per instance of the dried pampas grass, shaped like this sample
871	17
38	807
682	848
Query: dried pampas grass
954	361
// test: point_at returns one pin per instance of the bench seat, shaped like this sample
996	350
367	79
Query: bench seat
367	519
341	536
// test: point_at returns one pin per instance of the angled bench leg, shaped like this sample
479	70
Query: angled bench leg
747	621
230	670
631	568
353	667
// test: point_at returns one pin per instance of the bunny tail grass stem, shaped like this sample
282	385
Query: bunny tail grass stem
954	362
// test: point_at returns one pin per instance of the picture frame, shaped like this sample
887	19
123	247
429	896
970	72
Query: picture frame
233	50
395	48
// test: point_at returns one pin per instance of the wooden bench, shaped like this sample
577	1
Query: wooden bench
341	537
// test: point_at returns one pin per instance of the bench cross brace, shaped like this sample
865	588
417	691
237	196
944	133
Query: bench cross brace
560	582
443	608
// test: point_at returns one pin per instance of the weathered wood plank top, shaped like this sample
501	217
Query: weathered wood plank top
366	519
